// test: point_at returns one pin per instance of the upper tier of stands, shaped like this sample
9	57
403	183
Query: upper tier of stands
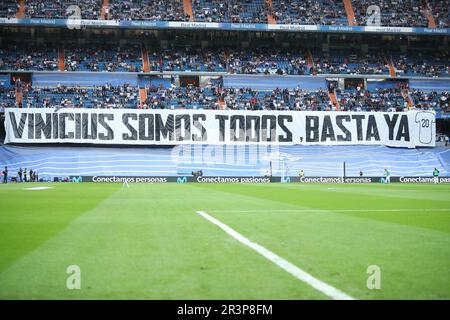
8	8
154	10
397	13
129	58
314	12
89	9
237	11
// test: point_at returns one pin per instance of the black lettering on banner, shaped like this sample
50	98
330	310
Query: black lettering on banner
372	129
86	123
162	129
78	126
197	124
347	134
237	131
312	127
146	126
222	119
31	126
18	129
126	121
271	128
327	130
55	125
403	129
63	125
252	126
102	117
43	126
359	132
287	137
391	124
186	128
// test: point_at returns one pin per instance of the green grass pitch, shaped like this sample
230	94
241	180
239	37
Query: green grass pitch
148	242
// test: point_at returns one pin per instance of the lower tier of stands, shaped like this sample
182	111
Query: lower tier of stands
226	160
214	96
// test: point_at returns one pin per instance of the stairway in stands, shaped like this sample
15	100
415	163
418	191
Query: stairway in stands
187	5
270	18
145	62
392	71
21	10
334	100
61	59
104	14
429	14
310	61
350	13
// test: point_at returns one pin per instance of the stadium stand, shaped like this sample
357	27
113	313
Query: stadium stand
404	13
159	10
89	9
162	95
410	13
440	10
103	58
323	12
20	57
432	64
8	8
7	97
248	11
262	60
107	96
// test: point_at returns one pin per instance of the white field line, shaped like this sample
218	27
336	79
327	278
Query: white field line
336	210
295	271
38	188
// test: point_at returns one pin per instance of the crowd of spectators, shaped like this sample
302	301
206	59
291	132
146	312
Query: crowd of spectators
188	60
104	58
8	8
107	96
154	10
433	100
277	99
262	60
214	96
440	10
351	63
190	97
20	58
7	97
430	64
250	61
50	9
313	12
380	99
234	11
395	13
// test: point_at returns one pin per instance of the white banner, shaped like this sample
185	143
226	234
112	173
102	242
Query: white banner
171	127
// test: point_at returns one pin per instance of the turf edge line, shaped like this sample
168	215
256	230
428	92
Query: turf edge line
295	271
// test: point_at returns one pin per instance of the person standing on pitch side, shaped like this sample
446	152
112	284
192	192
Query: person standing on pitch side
5	175
436	175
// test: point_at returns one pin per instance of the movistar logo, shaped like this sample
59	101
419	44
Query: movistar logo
77	179
181	180
286	179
